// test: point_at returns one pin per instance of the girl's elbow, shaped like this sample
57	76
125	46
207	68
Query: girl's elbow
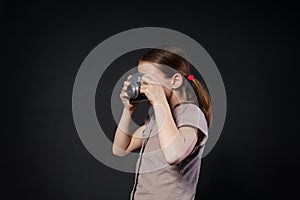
173	159
118	151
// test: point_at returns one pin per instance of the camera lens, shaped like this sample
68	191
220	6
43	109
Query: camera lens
133	90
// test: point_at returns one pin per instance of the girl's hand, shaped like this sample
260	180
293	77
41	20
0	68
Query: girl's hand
152	89
125	98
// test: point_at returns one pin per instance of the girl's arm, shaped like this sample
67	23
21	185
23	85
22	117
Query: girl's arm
175	143
124	141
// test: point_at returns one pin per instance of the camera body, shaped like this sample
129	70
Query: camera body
133	89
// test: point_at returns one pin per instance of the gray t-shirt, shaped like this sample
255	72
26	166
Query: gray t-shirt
155	178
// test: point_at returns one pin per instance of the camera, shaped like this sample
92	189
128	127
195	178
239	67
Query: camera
133	89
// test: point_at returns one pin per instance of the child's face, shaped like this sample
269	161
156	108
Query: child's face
146	67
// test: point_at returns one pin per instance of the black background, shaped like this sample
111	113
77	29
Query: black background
45	44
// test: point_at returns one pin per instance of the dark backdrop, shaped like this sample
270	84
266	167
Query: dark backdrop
45	44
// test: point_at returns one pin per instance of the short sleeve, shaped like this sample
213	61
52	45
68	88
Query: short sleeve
189	114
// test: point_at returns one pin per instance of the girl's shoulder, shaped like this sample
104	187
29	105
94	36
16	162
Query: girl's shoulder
187	113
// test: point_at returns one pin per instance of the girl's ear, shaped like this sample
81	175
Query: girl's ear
176	81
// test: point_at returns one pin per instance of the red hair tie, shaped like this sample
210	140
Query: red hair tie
190	77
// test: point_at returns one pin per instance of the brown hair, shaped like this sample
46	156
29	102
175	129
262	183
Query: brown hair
175	58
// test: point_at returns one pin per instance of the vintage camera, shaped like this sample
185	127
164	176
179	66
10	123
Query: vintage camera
133	89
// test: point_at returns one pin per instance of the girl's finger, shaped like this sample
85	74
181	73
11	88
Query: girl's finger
124	95
126	83
129	77
142	89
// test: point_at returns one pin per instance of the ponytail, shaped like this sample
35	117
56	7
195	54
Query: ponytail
203	100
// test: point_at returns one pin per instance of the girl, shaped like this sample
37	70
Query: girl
173	137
